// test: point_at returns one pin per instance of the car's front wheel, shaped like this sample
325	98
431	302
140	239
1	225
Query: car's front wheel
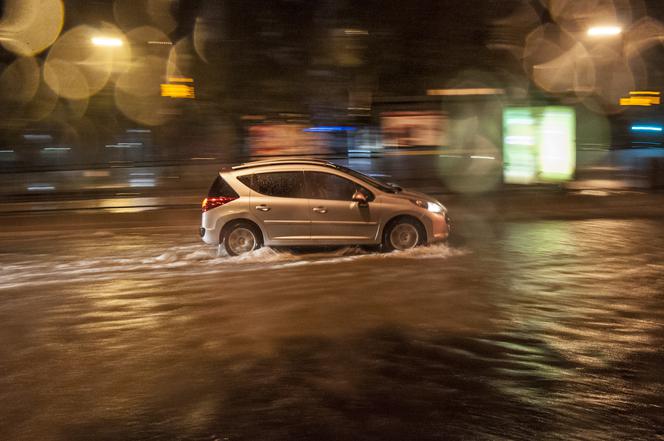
403	234
241	237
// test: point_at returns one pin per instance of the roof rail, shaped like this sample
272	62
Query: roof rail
282	160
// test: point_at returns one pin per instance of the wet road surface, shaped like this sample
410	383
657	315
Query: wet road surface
115	330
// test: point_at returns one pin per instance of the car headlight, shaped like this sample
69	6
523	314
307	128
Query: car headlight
434	207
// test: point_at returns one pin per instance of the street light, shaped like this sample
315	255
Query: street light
106	41
604	31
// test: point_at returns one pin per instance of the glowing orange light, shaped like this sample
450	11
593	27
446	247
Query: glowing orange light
642	92
463	92
180	80
210	203
178	91
641	98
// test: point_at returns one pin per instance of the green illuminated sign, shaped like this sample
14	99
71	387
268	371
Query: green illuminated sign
539	144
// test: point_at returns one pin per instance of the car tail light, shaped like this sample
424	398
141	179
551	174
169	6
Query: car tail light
220	193
210	203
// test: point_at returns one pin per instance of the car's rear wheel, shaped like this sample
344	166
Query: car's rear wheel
241	237
403	234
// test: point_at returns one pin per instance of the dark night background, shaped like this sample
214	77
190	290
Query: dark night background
320	62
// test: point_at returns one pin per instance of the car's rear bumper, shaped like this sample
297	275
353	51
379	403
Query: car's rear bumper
209	235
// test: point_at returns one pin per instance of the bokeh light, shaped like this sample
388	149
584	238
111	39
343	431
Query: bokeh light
137	92
180	58
73	109
76	68
546	43
20	80
570	13
643	35
130	14
201	35
206	37
571	71
145	35
66	79
31	26
43	104
161	14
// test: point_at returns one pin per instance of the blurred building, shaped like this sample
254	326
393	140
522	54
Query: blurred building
172	81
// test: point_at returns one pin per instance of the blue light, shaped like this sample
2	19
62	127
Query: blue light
646	128
330	129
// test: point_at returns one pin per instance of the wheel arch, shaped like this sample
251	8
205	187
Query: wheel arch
240	220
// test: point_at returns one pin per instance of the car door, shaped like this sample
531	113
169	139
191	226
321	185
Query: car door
279	203
335	217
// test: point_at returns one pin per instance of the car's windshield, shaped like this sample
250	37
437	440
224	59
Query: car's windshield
383	186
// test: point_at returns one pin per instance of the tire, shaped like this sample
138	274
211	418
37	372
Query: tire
403	233
241	237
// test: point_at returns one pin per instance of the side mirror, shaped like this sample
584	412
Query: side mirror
360	198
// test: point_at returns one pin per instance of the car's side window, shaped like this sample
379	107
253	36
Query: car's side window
277	184
328	186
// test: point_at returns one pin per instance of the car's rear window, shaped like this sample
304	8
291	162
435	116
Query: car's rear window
220	188
279	184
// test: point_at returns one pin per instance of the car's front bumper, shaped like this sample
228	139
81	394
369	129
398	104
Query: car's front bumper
438	226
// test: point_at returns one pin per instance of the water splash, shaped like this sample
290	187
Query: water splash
181	260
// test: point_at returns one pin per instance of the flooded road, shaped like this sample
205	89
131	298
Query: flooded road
519	330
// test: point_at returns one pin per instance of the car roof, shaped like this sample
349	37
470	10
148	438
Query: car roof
284	161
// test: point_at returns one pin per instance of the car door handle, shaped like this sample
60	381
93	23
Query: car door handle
262	208
321	210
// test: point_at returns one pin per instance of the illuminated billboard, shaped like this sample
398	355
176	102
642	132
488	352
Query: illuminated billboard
287	139
414	129
539	144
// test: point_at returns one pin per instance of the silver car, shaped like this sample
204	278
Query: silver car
308	202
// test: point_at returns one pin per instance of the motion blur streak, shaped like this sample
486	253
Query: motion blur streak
106	41
604	31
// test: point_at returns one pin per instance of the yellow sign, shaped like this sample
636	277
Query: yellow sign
462	92
180	80
641	98
178	91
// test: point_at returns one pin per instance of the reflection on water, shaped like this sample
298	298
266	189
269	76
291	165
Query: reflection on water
538	330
